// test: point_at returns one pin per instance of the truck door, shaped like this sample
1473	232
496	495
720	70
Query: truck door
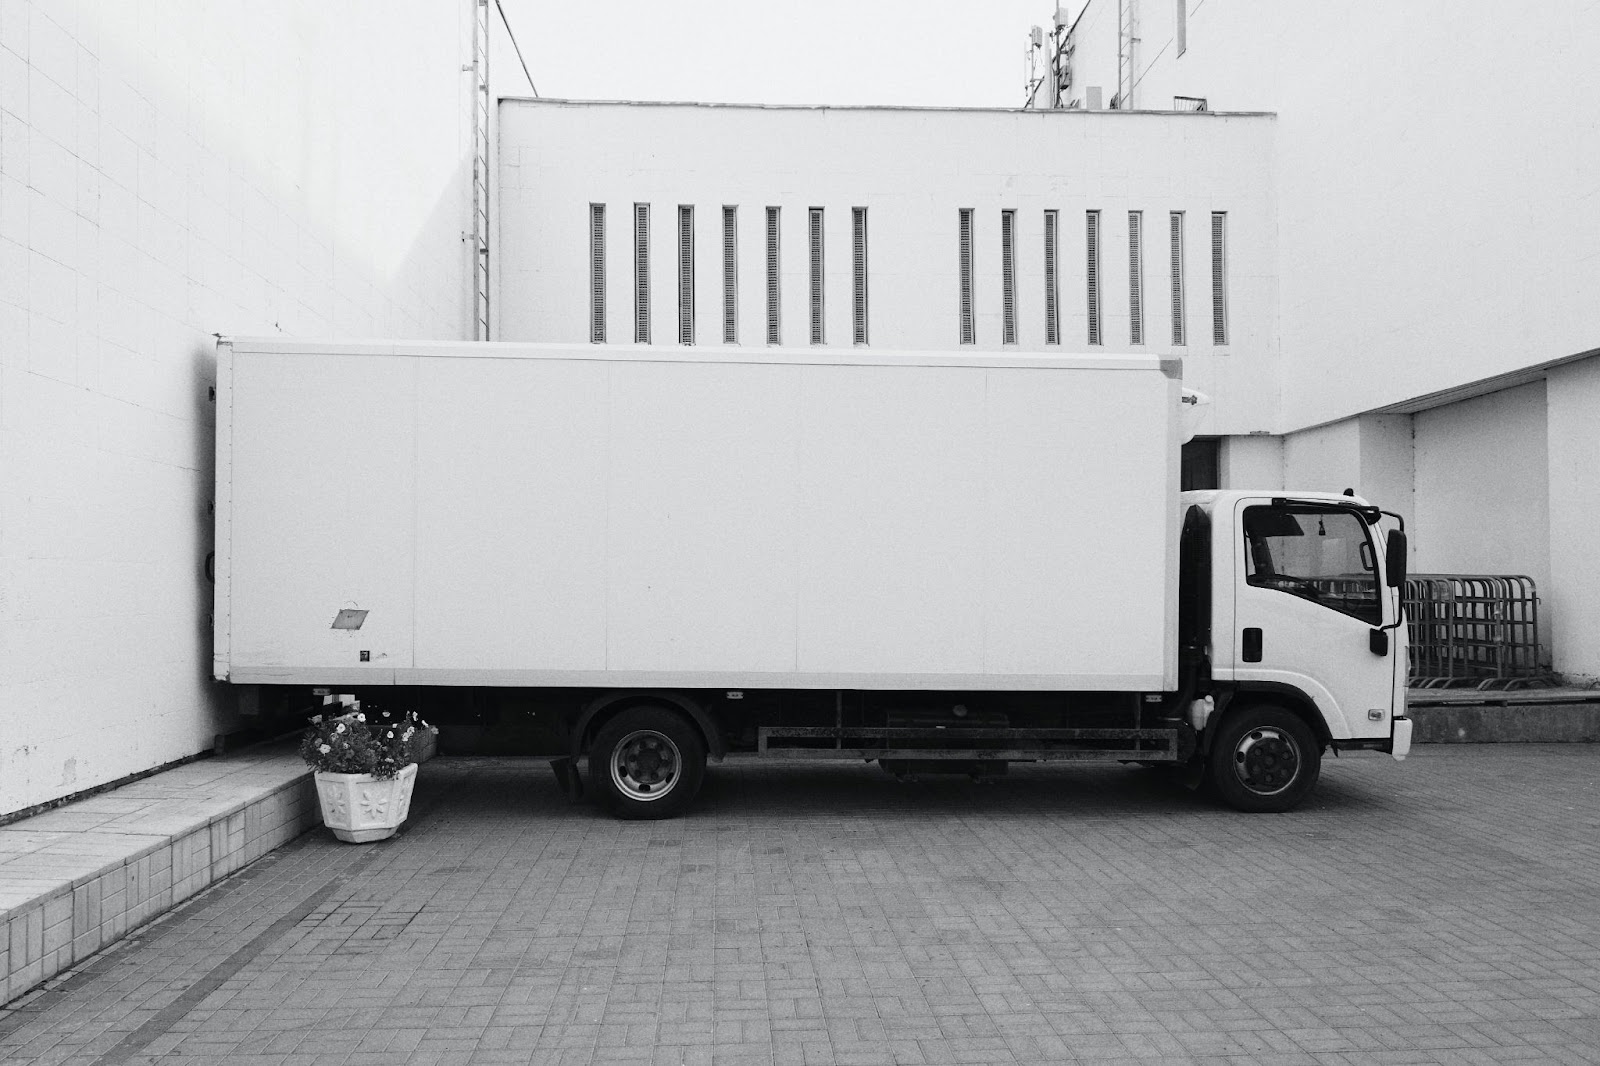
1307	598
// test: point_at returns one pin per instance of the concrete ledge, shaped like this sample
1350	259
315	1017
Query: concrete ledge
79	877
1507	723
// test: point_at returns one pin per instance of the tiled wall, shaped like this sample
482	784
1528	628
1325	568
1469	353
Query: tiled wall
47	935
169	171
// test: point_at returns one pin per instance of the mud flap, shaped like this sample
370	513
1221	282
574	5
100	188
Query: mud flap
568	777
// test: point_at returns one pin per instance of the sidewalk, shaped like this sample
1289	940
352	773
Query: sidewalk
1504	716
77	878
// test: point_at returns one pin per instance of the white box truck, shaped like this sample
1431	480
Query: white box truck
660	555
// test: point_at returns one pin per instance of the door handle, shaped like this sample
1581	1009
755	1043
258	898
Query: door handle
1251	645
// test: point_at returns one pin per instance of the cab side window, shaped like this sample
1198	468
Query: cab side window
1325	556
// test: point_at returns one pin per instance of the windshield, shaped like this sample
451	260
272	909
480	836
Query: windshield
1325	556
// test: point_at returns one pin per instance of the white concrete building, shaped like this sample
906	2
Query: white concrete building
1405	282
1385	274
169	171
897	197
1436	262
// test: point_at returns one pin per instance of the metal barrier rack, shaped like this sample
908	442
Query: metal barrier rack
1477	630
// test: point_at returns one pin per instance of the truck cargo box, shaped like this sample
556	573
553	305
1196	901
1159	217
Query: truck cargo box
543	515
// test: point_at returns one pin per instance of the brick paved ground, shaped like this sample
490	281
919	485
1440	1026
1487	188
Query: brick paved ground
1443	911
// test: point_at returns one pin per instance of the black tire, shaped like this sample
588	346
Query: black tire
1264	759
647	762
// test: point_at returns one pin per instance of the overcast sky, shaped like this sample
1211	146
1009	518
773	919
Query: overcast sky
937	52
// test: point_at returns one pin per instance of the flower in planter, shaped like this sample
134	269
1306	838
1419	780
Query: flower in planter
348	744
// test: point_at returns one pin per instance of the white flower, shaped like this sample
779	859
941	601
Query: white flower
339	728
324	748
407	735
360	717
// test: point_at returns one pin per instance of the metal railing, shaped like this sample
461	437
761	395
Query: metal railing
1479	630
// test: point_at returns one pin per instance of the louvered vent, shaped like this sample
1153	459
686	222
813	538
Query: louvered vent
1052	287
685	274
1092	245
730	275
858	274
1135	277
968	328
1008	277
1179	334
1219	277
597	273
641	273
814	236
774	279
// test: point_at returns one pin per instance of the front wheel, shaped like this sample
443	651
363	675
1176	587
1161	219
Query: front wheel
647	762
1264	759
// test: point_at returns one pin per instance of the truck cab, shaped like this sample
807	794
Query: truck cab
1302	641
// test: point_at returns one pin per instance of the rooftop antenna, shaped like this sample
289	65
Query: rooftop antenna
1049	59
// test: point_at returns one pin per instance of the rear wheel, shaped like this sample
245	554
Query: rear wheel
1264	759
647	762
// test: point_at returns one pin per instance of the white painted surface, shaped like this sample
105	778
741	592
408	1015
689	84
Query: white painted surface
1482	493
167	171
913	170
1573	398
1431	233
1254	462
1306	645
626	516
1327	459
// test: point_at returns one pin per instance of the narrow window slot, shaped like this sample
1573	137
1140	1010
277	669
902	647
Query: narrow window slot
1052	286
641	273
1219	278
685	274
774	280
858	271
1092	251
968	326
1135	277
597	273
814	227
1179	332
730	275
1008	277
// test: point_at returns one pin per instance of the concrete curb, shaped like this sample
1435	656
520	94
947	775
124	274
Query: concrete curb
1510	723
80	877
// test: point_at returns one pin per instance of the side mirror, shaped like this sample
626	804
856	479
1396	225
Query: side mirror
1394	560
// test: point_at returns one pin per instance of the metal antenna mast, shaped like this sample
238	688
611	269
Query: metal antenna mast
1046	89
1127	40
480	169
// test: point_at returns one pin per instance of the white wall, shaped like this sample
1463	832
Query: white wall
1573	595
1325	459
1436	167
168	171
913	170
1254	462
1482	493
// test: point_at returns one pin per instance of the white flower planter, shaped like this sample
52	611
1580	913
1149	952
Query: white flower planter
360	808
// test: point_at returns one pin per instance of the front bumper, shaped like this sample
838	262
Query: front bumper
1400	739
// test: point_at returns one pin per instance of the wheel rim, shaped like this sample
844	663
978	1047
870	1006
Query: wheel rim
646	765
1266	760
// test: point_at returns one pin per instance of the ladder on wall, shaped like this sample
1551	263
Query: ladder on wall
480	170
1127	39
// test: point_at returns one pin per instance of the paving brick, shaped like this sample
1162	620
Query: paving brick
1439	912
